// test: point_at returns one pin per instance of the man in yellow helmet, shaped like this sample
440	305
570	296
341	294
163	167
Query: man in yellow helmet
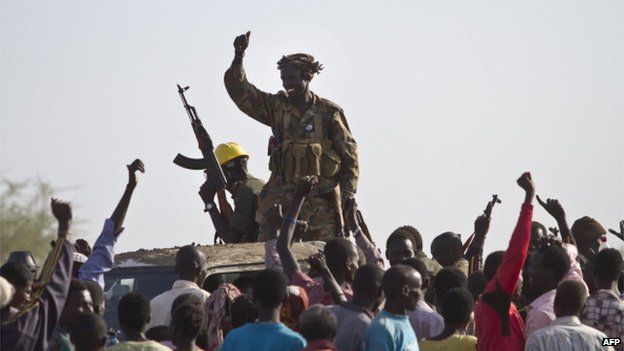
240	225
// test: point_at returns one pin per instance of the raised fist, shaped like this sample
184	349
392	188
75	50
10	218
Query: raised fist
241	42
136	165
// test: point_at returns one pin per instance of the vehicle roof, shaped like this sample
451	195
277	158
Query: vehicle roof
227	255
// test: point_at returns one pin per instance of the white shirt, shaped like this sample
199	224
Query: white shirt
566	334
160	306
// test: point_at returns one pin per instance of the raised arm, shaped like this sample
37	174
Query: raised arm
554	208
252	101
289	262
317	262
228	235
513	260
474	253
119	214
620	235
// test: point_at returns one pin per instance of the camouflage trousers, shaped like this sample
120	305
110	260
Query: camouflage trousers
318	210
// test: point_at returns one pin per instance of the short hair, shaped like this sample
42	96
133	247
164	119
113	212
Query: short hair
158	333
337	250
447	279
187	319
394	279
368	279
243	311
269	288
555	259
90	330
418	265
16	273
399	235
134	311
185	299
414	234
570	299
97	295
456	306
317	322
446	237
608	265
77	286
492	262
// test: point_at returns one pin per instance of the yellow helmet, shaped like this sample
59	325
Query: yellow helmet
229	151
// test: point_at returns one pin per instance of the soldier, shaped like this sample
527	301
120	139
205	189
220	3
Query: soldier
241	226
310	137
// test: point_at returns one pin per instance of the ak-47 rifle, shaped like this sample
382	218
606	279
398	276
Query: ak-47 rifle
488	213
208	162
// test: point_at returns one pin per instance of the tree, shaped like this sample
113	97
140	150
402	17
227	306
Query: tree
26	222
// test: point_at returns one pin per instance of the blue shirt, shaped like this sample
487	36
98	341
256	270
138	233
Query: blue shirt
390	332
102	256
263	337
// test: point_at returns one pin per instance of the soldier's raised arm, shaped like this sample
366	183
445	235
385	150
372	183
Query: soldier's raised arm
254	102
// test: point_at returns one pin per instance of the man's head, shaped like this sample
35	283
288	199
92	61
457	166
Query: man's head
233	161
341	257
446	248
447	279
269	289
21	278
296	72
538	231
607	268
420	266
549	264
587	231
190	263
97	296
186	323
317	323
133	313
456	307
570	299
89	334
367	284
243	311
401	287
399	246
78	302
414	234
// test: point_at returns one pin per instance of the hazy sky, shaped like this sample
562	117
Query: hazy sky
449	102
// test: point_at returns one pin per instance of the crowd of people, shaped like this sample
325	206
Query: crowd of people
554	292
545	292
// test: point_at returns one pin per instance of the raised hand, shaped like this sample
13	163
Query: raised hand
621	233
207	192
482	224
526	182
317	262
300	228
553	207
306	184
63	213
240	43
136	165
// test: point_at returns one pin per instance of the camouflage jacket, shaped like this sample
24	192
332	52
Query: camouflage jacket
317	143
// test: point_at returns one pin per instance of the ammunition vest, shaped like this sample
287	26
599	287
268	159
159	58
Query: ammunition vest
305	146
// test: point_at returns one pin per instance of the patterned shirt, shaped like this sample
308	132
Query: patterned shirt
566	334
605	312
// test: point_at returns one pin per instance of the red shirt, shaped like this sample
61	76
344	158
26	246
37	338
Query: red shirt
499	326
316	290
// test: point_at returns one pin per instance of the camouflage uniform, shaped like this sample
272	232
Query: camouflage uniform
243	218
317	143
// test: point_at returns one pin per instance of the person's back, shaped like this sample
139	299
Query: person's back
268	333
566	333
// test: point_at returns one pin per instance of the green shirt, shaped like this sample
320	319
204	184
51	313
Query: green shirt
243	219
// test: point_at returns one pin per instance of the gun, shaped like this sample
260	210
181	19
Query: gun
208	162
488	213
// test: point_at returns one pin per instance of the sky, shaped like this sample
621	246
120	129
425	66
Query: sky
449	101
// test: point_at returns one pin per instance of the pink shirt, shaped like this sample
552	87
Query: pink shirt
316	290
540	313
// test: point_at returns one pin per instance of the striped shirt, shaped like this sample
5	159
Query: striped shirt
566	334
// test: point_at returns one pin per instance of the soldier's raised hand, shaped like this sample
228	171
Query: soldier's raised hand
240	43
553	207
207	192
136	165
482	224
306	184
